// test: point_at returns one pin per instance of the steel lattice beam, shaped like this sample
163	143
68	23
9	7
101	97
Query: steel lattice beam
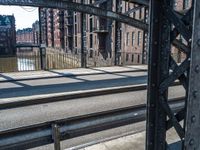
192	140
158	70
79	8
165	27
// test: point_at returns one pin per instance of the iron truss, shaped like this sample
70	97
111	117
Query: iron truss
79	7
165	29
166	25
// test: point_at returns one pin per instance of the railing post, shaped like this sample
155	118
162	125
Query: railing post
117	36
56	136
83	40
40	38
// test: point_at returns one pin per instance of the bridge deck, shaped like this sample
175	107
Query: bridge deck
33	84
13	76
134	141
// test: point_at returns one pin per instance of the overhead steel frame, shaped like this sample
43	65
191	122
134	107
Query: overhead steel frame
84	8
165	27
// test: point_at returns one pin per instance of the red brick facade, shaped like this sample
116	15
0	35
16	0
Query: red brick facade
62	29
25	36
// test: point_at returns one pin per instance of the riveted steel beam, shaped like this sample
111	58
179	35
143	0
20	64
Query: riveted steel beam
79	8
192	140
159	54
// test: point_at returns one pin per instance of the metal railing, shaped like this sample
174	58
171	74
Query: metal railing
58	130
58	59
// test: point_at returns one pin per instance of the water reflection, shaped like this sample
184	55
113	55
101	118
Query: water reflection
24	64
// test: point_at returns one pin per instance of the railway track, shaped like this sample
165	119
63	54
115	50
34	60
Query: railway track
58	130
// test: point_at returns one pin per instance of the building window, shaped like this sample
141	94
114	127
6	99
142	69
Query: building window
75	29
91	40
75	18
91	24
91	54
139	38
132	58
76	42
133	38
127	39
126	57
138	59
140	13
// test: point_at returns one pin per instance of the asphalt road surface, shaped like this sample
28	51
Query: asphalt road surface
23	116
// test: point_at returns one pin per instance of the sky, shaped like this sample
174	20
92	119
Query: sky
24	16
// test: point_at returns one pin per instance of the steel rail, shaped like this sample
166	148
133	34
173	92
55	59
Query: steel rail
41	134
79	8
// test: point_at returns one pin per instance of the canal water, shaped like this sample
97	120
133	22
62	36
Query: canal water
25	64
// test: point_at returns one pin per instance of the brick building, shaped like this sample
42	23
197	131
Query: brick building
35	28
7	35
104	38
29	35
62	29
25	35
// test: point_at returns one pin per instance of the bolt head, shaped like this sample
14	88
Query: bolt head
198	42
197	69
195	94
193	119
191	142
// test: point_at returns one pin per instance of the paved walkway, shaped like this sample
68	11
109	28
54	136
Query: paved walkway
41	83
131	142
16	76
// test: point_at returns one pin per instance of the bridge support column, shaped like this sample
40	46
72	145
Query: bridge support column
192	140
118	53
83	40
40	40
56	136
166	26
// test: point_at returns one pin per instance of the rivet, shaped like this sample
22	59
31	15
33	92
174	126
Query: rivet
152	105
198	42
195	94
153	85
193	119
191	142
155	42
197	69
